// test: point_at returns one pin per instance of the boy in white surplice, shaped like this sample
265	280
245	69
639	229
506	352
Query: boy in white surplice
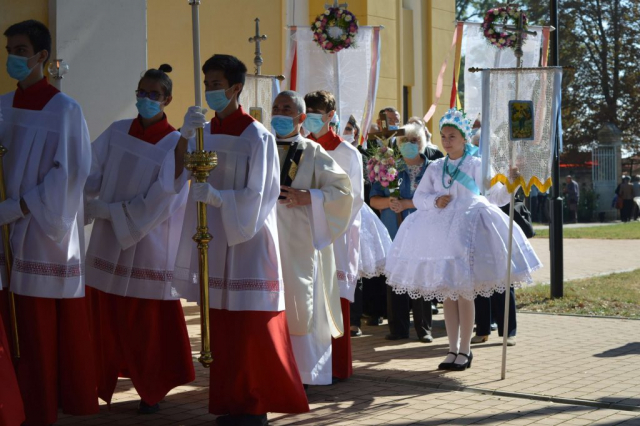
137	322
45	169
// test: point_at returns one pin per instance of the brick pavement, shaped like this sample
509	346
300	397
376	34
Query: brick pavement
395	382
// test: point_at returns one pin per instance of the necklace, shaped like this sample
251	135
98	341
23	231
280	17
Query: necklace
452	175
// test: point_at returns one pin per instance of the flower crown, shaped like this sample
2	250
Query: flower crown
458	119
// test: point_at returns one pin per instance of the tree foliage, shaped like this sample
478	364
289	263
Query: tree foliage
600	38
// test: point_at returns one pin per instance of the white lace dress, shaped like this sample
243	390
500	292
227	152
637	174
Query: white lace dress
461	250
374	244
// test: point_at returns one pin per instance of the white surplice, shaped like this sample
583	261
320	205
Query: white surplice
244	258
134	253
47	164
347	247
306	234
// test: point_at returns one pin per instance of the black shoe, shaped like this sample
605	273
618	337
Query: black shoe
252	420
447	365
374	321
356	333
434	309
464	365
226	420
392	336
427	338
144	408
494	326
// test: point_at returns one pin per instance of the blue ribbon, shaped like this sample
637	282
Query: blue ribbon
464	179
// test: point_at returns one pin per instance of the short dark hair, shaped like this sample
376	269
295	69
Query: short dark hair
233	68
391	109
161	75
320	100
38	35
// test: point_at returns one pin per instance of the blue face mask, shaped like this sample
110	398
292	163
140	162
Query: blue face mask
17	67
148	108
314	123
217	99
282	124
393	127
409	150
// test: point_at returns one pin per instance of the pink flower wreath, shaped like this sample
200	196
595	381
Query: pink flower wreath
503	15
335	29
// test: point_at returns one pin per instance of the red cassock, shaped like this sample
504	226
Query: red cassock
11	409
145	340
56	364
254	370
341	362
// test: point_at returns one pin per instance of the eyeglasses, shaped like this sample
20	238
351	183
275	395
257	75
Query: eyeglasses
413	141
154	96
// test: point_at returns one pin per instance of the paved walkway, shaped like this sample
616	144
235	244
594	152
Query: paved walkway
562	371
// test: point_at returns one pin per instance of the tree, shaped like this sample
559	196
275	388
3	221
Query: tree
600	39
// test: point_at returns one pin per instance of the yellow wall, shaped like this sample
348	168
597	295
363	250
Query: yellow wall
222	30
18	11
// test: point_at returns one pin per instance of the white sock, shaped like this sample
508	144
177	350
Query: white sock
452	324
466	313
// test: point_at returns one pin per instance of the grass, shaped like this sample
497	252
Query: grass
620	231
615	295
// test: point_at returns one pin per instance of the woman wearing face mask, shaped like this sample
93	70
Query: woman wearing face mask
138	323
411	147
454	247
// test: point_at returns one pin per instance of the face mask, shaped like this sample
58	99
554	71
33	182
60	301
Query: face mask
217	99
282	124
314	123
17	67
148	108
348	138
409	150
393	127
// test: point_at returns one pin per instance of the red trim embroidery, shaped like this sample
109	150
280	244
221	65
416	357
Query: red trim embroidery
48	269
127	271
244	285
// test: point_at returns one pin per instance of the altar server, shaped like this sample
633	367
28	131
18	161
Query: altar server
137	321
321	107
46	166
254	369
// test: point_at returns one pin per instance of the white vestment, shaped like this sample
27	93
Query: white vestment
306	234
133	254
47	164
244	258
347	247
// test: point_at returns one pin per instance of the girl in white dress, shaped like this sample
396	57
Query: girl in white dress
454	247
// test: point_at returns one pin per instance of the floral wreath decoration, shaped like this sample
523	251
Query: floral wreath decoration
335	29
503	15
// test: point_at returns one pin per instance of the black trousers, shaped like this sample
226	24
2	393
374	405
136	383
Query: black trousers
398	306
626	214
374	297
355	311
494	305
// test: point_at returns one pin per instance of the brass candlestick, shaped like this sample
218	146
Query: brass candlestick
200	163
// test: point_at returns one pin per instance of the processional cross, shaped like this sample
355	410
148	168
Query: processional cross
257	39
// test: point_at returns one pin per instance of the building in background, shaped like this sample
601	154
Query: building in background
108	44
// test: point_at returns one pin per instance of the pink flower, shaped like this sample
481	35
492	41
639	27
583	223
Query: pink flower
329	45
384	184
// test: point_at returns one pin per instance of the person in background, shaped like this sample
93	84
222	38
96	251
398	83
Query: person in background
626	194
393	210
636	196
431	151
572	193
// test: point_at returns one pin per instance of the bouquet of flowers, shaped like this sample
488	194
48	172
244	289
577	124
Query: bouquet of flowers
384	166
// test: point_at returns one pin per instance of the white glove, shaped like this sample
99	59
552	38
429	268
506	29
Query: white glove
205	193
98	209
10	211
193	119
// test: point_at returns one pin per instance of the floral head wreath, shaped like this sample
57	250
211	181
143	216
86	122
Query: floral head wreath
458	119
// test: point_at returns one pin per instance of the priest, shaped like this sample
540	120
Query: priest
46	167
321	107
314	210
254	369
